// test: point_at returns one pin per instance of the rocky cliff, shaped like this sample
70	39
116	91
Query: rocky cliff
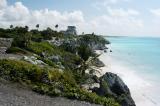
112	85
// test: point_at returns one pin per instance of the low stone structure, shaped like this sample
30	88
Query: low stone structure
71	30
5	43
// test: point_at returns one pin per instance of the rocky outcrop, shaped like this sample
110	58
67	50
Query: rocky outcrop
91	83
5	43
55	58
98	63
112	85
97	46
34	60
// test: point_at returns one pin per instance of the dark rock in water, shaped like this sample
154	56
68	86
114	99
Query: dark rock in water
111	51
105	51
112	85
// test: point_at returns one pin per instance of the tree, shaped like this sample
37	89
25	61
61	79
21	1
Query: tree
37	26
27	39
21	30
11	26
84	51
56	26
93	33
47	34
88	65
23	40
27	28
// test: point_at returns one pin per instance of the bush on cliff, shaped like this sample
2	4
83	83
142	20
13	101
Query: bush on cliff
84	52
49	81
90	38
68	59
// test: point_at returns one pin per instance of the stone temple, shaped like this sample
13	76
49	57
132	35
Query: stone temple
71	30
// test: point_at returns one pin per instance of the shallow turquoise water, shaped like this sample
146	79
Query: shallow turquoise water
142	54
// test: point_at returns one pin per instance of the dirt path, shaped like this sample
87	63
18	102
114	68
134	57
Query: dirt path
15	95
11	56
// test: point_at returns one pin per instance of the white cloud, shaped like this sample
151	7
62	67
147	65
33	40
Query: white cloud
3	3
48	18
102	4
18	14
118	22
122	13
155	12
114	21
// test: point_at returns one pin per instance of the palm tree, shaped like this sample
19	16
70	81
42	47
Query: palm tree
26	27
27	39
37	26
56	26
11	26
87	65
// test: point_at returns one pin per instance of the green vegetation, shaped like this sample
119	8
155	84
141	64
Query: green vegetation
39	47
85	52
70	57
49	81
93	38
17	50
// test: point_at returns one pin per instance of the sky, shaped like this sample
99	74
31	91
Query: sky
105	17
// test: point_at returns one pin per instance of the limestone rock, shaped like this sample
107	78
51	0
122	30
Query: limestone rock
111	84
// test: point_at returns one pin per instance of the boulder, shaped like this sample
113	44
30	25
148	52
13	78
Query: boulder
115	84
43	54
112	85
98	63
55	58
33	60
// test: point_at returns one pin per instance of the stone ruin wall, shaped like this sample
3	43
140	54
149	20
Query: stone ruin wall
5	43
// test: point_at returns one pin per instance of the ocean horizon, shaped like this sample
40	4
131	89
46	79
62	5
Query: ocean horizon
139	55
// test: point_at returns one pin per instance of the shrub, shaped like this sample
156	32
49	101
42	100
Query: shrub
89	38
49	81
39	47
49	50
85	52
17	50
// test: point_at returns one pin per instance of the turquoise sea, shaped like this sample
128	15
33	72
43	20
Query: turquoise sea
141	54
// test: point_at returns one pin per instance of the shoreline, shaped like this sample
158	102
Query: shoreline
139	86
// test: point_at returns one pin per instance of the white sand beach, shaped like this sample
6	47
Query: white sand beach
140	88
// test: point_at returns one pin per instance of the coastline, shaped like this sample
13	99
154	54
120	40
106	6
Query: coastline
139	86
